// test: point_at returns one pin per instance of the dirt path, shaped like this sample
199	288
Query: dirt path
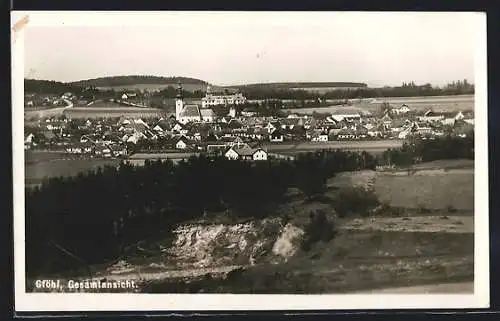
446	224
447	288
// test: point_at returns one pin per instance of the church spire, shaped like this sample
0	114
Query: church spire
179	90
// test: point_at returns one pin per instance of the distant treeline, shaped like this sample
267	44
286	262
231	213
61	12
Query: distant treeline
406	90
133	80
295	85
94	216
49	87
257	91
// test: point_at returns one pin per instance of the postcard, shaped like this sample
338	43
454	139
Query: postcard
168	161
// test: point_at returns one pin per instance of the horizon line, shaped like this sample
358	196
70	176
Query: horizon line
250	83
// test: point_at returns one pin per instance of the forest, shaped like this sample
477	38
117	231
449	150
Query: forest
135	79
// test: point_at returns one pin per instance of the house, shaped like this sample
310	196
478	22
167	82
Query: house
321	136
190	113
67	95
369	126
276	136
289	123
416	128
237	142
248	113
182	143
162	127
29	138
404	109
469	121
346	133
361	131
348	116
118	150
431	116
270	127
386	120
255	154
215	147
232	112
235	124
207	115
450	121
404	134
134	138
178	127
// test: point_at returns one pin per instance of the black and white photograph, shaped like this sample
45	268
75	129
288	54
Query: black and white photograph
184	160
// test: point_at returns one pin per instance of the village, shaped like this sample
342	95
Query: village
237	135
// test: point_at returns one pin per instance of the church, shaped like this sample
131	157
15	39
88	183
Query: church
191	113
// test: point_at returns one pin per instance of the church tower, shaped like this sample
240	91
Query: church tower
179	103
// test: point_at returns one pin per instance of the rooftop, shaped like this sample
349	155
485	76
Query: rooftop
190	111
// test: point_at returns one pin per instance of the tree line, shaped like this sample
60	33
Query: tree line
417	150
406	90
94	216
89	88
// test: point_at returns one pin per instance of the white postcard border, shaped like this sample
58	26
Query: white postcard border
175	302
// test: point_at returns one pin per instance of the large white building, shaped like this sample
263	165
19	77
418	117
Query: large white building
212	99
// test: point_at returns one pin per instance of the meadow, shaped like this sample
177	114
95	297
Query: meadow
419	104
40	165
428	189
110	112
375	146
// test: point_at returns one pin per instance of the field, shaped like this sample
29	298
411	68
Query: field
156	87
376	146
419	104
38	113
103	104
322	90
112	112
428	189
39	165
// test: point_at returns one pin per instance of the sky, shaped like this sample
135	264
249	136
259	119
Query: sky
236	48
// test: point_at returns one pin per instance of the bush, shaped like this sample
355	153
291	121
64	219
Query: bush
356	200
451	209
320	228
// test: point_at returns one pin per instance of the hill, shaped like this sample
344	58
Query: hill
119	81
49	87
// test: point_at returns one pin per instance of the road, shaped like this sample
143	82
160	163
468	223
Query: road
446	288
34	113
